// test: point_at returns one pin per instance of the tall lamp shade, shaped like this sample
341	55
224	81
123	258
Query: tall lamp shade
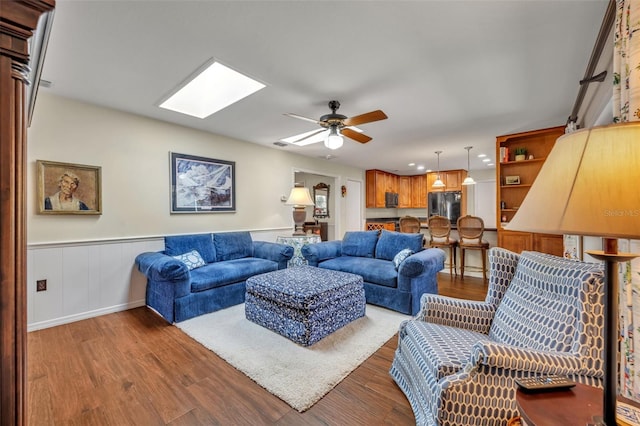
589	185
299	198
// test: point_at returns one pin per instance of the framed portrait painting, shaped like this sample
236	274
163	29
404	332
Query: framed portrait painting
66	188
202	185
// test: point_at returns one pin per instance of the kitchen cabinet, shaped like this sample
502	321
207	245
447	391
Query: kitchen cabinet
452	180
404	192
419	191
514	179
411	190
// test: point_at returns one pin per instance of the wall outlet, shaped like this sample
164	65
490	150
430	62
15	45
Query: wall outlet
41	285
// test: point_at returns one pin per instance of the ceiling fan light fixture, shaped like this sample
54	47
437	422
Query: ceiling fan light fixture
334	139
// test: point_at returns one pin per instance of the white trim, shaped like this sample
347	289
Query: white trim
117	240
85	315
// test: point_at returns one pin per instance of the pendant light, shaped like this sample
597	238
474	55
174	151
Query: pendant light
438	183
334	138
468	180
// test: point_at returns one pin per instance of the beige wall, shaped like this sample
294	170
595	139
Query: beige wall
133	152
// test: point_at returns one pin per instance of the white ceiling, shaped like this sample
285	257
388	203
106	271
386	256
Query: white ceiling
447	73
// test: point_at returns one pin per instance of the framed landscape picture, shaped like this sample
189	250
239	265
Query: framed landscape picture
201	185
66	188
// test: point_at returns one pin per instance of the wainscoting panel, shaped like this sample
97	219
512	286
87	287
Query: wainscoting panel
91	278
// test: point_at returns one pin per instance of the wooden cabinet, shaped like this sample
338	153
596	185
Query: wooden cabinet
419	191
452	180
514	179
411	190
404	192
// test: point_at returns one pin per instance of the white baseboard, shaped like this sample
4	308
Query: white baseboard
84	315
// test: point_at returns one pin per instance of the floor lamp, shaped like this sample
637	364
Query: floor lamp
588	185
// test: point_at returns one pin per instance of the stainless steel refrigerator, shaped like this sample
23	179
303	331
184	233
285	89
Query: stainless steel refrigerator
447	204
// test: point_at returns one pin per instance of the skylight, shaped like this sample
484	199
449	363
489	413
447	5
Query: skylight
213	89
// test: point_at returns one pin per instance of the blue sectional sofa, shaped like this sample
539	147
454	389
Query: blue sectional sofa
395	267
201	273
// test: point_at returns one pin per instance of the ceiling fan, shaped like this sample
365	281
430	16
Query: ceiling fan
335	126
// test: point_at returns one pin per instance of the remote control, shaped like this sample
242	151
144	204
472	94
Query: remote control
545	383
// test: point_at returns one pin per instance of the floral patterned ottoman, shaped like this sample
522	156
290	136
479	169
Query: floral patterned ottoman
304	303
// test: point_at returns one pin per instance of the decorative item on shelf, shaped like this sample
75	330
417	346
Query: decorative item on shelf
438	183
576	193
521	154
468	180
344	191
504	154
503	205
512	180
299	199
530	157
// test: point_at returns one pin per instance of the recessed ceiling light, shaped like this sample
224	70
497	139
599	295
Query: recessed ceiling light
212	89
420	167
490	164
486	160
482	155
411	164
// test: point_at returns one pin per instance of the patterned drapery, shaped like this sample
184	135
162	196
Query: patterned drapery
626	62
626	107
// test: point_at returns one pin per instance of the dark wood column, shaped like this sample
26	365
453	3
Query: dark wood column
18	18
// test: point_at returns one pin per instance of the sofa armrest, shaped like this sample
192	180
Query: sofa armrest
280	253
428	260
160	268
316	253
467	314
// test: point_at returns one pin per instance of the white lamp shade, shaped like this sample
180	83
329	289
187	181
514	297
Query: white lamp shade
589	185
438	183
299	197
468	181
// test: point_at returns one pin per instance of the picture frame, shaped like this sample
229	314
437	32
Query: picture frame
572	247
68	188
512	180
202	185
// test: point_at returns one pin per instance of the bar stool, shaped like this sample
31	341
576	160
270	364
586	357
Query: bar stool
470	230
439	229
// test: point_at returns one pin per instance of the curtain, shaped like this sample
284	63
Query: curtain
626	107
626	62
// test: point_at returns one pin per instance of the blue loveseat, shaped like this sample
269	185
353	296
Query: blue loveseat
395	267
201	273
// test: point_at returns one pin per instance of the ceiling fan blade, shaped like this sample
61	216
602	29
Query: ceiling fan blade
307	136
300	117
352	134
365	118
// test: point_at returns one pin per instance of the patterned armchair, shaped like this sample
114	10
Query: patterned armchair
457	360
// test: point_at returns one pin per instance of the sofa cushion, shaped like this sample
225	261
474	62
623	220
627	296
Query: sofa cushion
181	244
376	271
233	245
390	243
193	260
359	243
228	272
401	256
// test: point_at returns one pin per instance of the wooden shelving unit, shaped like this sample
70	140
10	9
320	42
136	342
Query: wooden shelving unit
538	144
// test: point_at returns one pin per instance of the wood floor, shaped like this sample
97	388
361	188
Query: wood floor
132	368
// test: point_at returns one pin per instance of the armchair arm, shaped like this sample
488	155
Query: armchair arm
508	357
160	268
280	253
316	253
467	314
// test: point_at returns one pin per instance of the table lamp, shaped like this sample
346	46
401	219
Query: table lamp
588	185
299	199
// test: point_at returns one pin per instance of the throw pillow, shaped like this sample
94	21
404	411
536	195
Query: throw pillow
390	243
192	259
401	256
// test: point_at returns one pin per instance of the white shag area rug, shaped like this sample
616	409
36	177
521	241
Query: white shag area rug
298	375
